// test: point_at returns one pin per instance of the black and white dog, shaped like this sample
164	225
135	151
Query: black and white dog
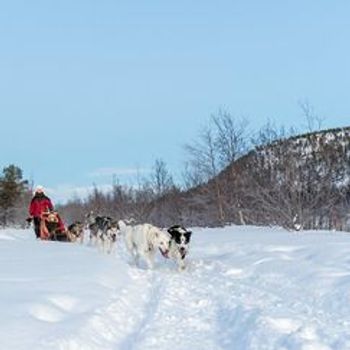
103	231
179	244
109	236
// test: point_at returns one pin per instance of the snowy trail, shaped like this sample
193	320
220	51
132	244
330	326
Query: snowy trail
245	288
108	325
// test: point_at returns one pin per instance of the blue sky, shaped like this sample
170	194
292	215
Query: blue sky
91	88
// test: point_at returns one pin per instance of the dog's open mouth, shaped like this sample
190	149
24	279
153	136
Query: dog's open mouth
165	253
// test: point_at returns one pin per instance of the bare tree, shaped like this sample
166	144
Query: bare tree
161	180
269	133
202	154
219	144
230	137
313	121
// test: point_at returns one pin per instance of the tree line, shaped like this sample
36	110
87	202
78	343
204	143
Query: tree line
273	176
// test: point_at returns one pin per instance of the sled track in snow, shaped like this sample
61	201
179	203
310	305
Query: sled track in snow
180	304
141	315
111	324
232	296
211	306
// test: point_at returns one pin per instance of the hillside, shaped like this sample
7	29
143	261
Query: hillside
246	288
302	181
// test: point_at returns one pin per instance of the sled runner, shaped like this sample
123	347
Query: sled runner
52	228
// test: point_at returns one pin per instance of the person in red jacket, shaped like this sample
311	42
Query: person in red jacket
39	204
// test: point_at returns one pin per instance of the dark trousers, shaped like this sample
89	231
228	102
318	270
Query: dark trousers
37	227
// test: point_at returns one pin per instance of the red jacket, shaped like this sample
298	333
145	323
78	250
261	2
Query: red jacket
39	204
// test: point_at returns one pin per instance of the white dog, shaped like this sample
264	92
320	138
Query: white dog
144	240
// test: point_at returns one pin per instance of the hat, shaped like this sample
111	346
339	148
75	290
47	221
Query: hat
39	189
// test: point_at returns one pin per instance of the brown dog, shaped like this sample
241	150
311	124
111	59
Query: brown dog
75	232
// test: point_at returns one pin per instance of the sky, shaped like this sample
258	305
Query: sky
89	89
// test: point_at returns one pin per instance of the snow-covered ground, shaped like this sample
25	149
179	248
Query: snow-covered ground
245	288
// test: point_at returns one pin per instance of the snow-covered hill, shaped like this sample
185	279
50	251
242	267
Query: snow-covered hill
246	288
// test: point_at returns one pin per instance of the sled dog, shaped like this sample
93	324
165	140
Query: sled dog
144	241
108	236
75	232
179	244
103	231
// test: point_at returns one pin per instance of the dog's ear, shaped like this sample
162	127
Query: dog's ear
171	231
188	235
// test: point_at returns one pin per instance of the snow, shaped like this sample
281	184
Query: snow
245	288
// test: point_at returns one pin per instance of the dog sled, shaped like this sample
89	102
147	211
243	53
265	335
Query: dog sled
52	227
